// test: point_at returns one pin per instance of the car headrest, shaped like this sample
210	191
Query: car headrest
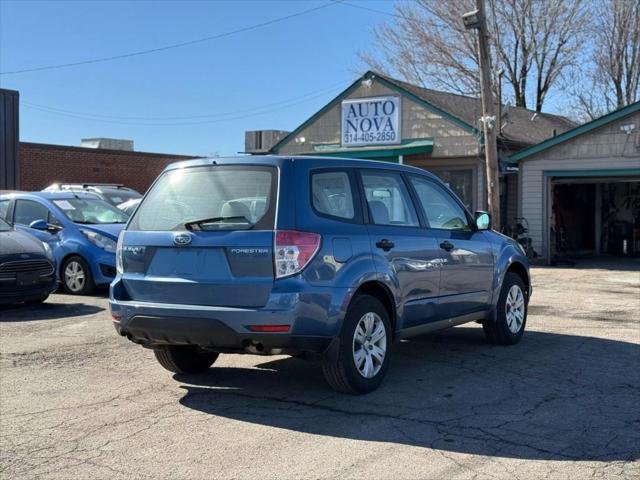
235	209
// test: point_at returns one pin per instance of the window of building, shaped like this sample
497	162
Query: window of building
388	199
441	210
460	181
331	192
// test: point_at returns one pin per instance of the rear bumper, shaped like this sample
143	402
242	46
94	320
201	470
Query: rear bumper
213	334
314	318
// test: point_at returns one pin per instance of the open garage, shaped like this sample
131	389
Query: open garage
580	191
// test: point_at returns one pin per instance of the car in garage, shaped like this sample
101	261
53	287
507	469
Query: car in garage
80	228
27	267
338	258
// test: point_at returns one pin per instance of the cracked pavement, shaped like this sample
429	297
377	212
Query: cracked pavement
78	401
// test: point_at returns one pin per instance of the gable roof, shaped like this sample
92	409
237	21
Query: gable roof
579	130
522	128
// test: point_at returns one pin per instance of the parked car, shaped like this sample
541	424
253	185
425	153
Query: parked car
27	267
129	206
347	257
113	193
81	229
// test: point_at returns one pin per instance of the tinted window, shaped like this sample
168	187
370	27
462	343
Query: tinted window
331	192
121	196
220	197
27	211
4	207
388	199
441	210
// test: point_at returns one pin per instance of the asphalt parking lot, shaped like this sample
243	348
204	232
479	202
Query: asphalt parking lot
77	401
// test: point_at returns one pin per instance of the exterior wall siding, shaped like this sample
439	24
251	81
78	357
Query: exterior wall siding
417	122
42	165
607	148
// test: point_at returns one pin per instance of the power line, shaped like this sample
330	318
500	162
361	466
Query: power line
232	115
183	117
374	10
175	45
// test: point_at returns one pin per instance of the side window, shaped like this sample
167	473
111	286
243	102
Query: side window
331	192
388	199
440	208
4	209
26	211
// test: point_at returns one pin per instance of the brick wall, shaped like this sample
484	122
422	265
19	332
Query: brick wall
43	164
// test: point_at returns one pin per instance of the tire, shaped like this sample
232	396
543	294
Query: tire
341	369
508	328
185	359
80	284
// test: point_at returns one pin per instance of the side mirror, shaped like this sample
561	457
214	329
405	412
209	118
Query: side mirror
483	220
39	224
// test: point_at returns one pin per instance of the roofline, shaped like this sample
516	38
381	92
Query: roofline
574	132
52	146
389	84
424	103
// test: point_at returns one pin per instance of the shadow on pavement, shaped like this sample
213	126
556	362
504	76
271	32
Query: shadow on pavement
45	311
552	397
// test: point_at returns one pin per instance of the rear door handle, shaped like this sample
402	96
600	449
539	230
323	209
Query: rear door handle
385	244
447	245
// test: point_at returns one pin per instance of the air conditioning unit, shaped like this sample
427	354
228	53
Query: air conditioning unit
261	141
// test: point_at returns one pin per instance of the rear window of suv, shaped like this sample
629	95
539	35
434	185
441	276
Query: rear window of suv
218	197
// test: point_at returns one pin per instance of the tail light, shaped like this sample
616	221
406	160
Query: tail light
119	260
292	251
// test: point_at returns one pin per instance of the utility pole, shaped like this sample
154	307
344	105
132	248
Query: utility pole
477	20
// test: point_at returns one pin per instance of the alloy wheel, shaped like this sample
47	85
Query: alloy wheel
74	276
515	309
369	345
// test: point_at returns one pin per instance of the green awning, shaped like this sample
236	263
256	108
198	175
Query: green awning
406	147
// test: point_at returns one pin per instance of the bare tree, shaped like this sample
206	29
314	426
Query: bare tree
533	41
614	68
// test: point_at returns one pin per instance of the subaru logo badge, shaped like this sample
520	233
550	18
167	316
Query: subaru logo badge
182	239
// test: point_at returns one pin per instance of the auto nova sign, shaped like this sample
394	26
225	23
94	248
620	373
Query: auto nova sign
371	121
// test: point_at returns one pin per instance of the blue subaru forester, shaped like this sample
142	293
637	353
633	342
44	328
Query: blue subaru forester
272	255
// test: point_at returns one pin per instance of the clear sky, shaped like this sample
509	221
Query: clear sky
270	77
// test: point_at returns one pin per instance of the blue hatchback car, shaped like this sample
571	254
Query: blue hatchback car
271	255
81	229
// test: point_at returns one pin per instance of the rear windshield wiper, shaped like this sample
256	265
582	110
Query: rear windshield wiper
197	224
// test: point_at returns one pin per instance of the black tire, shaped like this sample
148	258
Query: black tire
88	286
498	331
339	366
185	359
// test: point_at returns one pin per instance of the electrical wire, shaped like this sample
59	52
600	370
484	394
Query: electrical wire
175	45
232	115
184	117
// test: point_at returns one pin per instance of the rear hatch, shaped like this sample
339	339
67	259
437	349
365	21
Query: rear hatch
203	236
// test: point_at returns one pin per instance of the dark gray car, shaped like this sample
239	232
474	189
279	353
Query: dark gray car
27	267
